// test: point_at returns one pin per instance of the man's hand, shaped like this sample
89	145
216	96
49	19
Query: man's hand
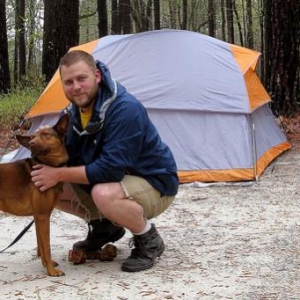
43	177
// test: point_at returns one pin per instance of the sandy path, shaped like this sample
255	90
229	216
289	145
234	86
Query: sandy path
223	242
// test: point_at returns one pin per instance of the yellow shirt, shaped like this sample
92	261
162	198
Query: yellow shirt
85	117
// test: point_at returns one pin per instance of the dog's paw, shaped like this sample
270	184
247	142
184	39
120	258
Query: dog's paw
55	272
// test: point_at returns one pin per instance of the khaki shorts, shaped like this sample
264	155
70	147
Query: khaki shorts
136	189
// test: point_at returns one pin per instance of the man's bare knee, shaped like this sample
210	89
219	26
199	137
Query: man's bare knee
107	191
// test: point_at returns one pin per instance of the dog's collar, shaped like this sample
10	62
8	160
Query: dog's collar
32	161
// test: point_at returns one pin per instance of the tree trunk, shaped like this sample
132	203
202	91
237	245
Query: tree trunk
17	40
115	27
142	14
184	14
102	18
238	23
22	43
267	34
61	32
156	14
125	16
148	19
32	26
172	10
249	40
229	15
283	64
4	62
223	22
260	7
211	18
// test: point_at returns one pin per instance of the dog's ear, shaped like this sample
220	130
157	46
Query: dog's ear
62	125
23	140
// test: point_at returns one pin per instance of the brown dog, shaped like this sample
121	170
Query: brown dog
18	194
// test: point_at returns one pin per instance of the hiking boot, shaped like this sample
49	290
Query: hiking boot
99	234
148	246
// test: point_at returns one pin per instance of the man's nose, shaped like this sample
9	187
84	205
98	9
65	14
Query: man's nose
76	85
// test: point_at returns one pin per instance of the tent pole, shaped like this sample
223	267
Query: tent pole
254	147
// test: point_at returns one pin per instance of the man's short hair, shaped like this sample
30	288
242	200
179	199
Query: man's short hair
75	56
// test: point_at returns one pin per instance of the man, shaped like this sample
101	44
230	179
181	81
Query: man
120	171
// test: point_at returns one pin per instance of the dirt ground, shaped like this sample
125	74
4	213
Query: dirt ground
222	241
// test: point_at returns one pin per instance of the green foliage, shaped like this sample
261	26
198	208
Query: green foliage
15	105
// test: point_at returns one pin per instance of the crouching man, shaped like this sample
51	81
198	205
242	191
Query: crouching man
120	174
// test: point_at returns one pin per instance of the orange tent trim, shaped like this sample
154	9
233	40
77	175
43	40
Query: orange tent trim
233	175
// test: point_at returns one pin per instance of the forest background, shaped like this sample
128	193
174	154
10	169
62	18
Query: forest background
35	34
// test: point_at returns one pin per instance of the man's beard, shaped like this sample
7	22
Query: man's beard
87	104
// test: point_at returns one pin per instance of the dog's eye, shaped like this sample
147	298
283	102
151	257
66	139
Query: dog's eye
47	135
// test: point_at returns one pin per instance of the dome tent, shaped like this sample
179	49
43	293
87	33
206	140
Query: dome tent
202	94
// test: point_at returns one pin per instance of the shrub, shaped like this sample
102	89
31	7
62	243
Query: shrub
15	105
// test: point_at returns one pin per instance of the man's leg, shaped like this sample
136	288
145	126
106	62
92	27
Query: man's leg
131	204
101	231
69	202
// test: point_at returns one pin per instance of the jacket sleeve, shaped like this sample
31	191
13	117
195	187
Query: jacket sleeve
123	135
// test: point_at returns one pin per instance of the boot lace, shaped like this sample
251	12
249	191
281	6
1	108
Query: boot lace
139	249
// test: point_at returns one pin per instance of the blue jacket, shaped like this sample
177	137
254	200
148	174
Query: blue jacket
120	139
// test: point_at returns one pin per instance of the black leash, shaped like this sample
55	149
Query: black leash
19	236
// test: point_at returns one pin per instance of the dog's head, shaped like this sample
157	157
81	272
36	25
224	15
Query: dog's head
47	143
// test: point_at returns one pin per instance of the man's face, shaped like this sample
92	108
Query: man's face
80	84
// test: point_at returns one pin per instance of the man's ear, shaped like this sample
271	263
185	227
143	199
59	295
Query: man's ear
98	75
24	140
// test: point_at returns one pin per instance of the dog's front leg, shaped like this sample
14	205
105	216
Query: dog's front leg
42	225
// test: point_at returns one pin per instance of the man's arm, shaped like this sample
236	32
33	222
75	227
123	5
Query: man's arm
45	177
